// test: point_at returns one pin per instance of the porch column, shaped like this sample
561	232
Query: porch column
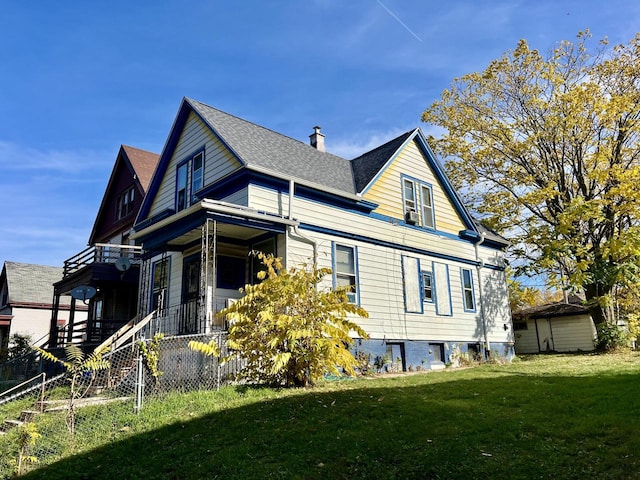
72	314
208	274
53	326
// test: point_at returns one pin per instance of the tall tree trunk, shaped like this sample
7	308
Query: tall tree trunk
593	292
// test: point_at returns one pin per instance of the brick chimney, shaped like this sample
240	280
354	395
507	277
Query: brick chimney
317	139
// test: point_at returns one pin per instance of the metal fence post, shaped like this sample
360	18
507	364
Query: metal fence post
139	385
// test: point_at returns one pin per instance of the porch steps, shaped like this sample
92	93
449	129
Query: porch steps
26	416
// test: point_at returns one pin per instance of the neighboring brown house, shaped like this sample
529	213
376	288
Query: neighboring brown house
26	291
109	267
558	327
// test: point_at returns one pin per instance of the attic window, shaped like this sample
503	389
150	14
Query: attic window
124	203
417	198
189	180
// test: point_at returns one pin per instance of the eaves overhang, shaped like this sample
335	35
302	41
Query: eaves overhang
172	227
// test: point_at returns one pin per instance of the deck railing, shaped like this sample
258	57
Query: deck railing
101	253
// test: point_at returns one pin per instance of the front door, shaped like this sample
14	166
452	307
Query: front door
190	309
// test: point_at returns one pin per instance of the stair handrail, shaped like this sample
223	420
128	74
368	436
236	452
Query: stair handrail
124	333
7	392
40	385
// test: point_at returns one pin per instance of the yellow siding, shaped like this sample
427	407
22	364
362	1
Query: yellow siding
218	161
387	190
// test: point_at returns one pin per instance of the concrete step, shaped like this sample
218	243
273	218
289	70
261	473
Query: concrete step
9	424
28	415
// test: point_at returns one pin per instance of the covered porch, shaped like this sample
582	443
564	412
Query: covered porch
195	262
112	272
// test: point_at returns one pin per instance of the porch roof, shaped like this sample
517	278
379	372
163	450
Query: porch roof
182	229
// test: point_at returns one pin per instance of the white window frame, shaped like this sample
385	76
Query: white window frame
423	283
124	203
427	209
420	191
189	180
467	288
410	204
339	276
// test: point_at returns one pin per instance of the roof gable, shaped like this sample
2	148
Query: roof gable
371	165
368	165
267	152
259	149
132	166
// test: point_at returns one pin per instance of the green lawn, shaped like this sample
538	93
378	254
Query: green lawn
558	417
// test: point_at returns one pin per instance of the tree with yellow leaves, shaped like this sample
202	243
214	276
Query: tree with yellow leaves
546	149
288	329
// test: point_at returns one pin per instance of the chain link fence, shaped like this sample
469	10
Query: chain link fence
40	423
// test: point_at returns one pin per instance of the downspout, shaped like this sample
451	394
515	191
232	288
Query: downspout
295	228
479	265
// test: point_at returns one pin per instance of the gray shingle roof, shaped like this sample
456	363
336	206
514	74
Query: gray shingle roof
367	165
29	283
262	148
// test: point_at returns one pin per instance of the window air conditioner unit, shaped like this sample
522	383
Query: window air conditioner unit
411	217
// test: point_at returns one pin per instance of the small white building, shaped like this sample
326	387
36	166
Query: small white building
26	294
559	327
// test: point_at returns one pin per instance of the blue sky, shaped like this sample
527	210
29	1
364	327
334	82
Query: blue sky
78	79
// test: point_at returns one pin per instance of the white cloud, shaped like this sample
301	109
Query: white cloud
14	157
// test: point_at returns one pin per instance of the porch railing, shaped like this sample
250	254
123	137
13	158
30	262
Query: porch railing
84	332
187	319
101	253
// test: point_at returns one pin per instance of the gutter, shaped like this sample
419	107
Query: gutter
479	266
216	207
295	225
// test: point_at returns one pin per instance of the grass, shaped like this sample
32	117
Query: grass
564	416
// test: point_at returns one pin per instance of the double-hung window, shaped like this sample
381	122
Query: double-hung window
124	203
427	287
426	199
345	272
417	198
409	191
467	290
189	179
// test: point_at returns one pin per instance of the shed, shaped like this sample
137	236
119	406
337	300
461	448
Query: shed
557	327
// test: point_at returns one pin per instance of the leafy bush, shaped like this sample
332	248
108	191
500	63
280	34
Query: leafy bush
611	337
290	331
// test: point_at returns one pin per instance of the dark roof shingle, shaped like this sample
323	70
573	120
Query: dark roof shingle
367	165
29	283
143	163
261	148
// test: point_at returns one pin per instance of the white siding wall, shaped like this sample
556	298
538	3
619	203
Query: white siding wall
218	161
573	333
381	294
380	272
36	322
241	197
527	340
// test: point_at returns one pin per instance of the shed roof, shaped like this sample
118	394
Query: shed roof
551	310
